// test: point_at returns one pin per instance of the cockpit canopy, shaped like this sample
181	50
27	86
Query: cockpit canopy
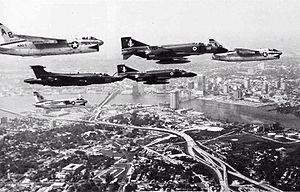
89	38
273	49
179	70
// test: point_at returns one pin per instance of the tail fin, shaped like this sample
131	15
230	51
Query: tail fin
39	71
124	69
128	42
38	97
7	34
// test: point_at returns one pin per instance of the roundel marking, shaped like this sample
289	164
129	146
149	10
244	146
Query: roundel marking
171	73
74	44
73	102
194	48
265	54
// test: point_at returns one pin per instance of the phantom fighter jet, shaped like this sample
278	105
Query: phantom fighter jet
168	54
24	45
152	77
69	79
243	55
41	102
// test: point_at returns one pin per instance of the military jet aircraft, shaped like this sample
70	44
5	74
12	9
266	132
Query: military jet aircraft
168	54
41	102
69	79
154	76
243	55
25	45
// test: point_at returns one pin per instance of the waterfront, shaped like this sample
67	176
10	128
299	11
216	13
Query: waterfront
242	113
213	109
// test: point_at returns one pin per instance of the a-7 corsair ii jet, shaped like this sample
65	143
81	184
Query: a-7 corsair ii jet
69	79
168	54
244	55
154	76
25	45
41	102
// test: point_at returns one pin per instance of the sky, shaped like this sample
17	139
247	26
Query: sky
233	23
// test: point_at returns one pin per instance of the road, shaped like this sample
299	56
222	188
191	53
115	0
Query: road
197	152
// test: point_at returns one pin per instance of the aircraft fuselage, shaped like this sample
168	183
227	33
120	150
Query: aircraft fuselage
253	55
73	79
158	76
28	48
59	104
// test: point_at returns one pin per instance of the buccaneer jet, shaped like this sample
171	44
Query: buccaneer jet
154	76
168	54
41	102
69	79
243	55
25	45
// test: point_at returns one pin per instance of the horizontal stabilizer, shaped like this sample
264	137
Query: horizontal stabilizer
126	56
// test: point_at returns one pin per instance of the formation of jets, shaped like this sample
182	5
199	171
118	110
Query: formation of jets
26	45
81	79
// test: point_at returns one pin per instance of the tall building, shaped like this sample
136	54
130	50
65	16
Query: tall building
266	87
191	85
136	89
277	84
174	99
237	94
262	66
202	84
3	120
225	89
282	84
52	124
247	83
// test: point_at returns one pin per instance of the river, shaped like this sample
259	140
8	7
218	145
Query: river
213	109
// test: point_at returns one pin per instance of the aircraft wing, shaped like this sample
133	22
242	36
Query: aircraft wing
160	50
246	52
41	40
150	79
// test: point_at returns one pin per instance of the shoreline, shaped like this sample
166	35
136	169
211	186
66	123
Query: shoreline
248	104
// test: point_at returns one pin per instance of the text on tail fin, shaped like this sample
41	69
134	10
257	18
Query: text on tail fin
7	34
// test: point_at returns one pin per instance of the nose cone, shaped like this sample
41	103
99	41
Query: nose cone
222	50
191	74
30	81
100	42
279	53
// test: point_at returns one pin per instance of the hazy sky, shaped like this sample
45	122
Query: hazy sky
234	23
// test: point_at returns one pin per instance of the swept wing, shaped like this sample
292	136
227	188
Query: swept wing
41	40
